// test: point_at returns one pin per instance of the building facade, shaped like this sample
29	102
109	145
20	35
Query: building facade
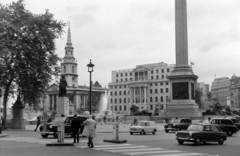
145	86
220	90
77	94
235	92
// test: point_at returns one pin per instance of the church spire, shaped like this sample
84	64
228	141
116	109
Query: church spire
69	41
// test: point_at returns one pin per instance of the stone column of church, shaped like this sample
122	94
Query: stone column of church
77	101
145	95
130	94
133	94
189	93
141	94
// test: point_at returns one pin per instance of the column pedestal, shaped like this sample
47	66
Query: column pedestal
63	106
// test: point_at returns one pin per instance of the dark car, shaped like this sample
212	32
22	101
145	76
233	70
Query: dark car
201	133
226	125
177	124
50	128
236	123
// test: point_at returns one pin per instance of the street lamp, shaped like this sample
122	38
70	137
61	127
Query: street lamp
90	70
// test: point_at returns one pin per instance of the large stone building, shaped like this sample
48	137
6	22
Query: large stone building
145	86
234	95
220	90
77	94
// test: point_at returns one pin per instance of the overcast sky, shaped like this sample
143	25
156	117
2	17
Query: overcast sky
120	34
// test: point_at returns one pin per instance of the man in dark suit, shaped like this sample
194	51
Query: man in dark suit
75	127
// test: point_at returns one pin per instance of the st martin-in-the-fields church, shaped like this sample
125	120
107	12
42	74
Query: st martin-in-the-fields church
78	95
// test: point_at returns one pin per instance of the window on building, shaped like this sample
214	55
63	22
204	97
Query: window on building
157	77
120	108
115	87
115	108
161	83
125	74
167	99
64	69
120	86
111	101
151	107
130	74
120	93
168	70
166	90
156	91
111	93
156	84
150	84
124	92
120	100
156	99
116	75
161	99
125	108
125	79
117	80
121	74
151	71
125	101
161	90
112	108
152	77
150	91
72	69
121	80
166	83
130	79
156	71
150	99
125	86
115	93
162	76
162	70
115	100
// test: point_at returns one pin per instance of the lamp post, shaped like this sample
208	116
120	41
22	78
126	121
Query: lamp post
90	70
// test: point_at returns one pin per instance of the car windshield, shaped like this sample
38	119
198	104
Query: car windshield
140	124
195	128
175	120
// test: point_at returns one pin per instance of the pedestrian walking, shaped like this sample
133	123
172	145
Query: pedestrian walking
76	123
90	130
134	121
38	123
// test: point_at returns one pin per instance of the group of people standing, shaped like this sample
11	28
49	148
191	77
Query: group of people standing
88	131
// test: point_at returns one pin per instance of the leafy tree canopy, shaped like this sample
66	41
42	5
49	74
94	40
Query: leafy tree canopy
27	50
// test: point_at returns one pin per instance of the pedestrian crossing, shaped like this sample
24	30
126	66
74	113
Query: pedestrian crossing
36	140
137	150
126	148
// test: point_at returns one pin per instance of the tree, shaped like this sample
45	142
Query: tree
27	49
198	97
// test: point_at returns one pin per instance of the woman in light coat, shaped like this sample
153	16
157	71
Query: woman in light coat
89	130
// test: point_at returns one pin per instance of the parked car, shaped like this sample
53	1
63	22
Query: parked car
236	123
201	133
50	128
143	127
177	124
226	125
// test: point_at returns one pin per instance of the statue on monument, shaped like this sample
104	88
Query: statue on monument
62	87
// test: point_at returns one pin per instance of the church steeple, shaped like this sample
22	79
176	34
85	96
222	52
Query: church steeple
69	47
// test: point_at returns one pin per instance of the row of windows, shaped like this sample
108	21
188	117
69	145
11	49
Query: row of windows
123	80
151	84
161	90
124	108
152	71
126	74
156	84
124	100
120	93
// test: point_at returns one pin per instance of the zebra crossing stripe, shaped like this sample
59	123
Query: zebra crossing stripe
112	145
109	148
129	150
152	152
180	154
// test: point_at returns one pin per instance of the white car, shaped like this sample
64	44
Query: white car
144	127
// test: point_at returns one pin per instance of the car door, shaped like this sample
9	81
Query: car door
147	127
215	133
206	133
68	127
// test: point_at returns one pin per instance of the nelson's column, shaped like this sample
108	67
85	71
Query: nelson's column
182	79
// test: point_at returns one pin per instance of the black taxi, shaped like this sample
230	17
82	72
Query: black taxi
177	124
50	128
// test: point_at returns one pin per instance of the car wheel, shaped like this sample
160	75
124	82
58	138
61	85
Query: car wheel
166	131
220	141
131	133
44	135
154	132
180	142
197	141
229	133
142	132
